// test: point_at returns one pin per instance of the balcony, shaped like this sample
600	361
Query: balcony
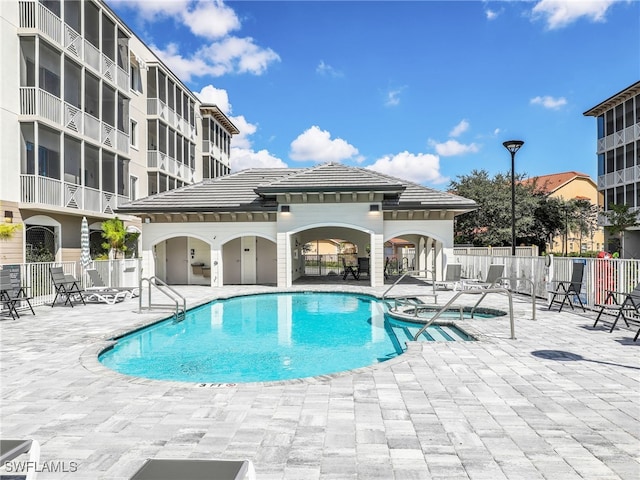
163	162
34	16
35	189
40	103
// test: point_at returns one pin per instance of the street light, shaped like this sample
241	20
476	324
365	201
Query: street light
513	146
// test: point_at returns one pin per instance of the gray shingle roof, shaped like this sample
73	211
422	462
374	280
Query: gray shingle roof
254	190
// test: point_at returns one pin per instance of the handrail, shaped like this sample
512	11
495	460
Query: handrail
410	272
161	286
519	279
474	291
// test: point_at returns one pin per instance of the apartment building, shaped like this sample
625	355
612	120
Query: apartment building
618	149
573	186
90	119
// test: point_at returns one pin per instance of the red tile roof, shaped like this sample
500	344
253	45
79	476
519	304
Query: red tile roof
550	183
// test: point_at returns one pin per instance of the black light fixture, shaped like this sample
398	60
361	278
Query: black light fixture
374	207
513	146
8	216
285	209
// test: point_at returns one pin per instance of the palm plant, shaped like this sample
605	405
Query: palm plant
114	233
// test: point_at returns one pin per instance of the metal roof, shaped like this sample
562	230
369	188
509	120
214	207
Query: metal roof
254	190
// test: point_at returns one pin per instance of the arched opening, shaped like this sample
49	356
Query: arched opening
42	239
325	253
183	260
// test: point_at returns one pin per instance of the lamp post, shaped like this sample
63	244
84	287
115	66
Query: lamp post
513	146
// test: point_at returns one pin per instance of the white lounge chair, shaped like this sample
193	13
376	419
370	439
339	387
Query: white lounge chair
452	277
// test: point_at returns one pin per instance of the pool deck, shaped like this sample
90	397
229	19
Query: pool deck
562	401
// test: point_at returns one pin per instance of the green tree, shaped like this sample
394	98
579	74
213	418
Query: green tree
490	224
115	235
620	218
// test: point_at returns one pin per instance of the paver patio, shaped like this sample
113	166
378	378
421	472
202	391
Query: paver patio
562	401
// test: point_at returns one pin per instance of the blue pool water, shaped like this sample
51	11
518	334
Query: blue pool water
267	337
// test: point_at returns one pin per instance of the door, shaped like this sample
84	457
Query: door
177	261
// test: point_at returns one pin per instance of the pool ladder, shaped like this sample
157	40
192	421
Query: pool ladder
179	302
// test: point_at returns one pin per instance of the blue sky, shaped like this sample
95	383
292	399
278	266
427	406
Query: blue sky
422	90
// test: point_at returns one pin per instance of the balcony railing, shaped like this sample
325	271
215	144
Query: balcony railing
34	15
54	192
163	162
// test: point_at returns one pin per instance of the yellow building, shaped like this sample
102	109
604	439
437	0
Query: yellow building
572	186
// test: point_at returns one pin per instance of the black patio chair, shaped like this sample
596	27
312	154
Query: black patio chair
13	294
349	269
66	286
630	306
566	289
363	266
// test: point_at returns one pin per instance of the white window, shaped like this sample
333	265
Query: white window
136	80
133	134
133	188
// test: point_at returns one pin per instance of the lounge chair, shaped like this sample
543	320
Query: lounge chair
495	272
568	288
363	266
629	306
10	449
98	284
195	469
66	286
12	295
349	269
452	277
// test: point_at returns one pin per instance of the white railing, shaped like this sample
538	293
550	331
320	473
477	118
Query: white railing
108	68
152	158
123	79
108	135
27	13
157	107
49	106
49	24
28	188
600	274
122	141
108	202
73	195
72	42
92	55
121	199
28	101
92	127
37	279
531	251
73	118
92	199
49	191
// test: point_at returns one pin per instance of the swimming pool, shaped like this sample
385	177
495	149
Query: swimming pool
267	337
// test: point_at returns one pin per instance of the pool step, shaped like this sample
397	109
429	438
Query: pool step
435	333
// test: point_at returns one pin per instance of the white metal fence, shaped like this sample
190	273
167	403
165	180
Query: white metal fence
600	274
36	277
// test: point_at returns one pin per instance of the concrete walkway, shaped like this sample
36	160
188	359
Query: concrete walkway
562	401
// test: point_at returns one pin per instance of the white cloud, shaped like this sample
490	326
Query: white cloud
459	129
316	145
150	11
243	158
491	14
419	168
452	148
497	131
549	102
210	19
326	69
217	96
560	13
393	97
240	55
247	129
183	67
